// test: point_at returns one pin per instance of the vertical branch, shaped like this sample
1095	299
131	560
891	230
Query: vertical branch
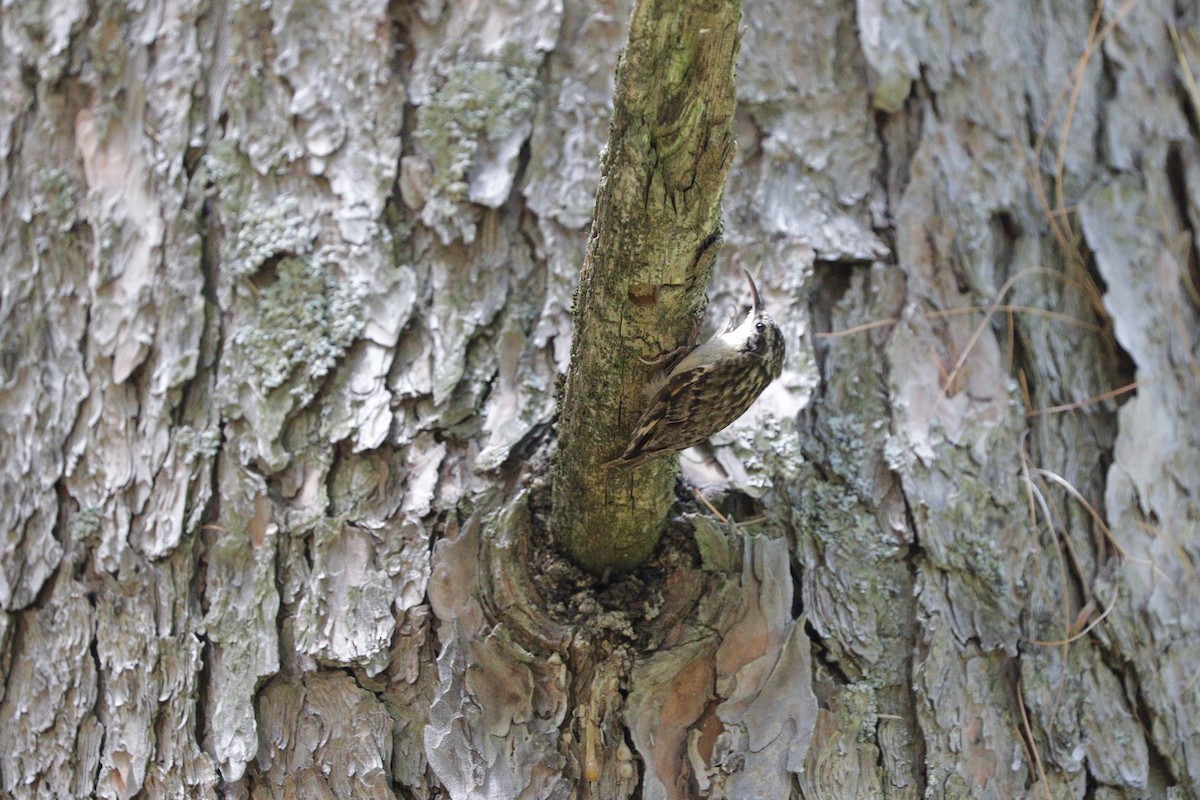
656	229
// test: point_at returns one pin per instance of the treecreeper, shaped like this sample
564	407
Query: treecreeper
710	387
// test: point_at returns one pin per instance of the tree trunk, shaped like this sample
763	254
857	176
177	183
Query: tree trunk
284	298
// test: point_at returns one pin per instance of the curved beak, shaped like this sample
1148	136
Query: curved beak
755	300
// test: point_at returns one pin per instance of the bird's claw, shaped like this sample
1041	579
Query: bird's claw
667	359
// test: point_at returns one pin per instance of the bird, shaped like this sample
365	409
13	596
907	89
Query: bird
708	388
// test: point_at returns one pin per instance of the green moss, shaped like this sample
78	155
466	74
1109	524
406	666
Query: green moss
715	553
305	322
850	449
767	450
229	170
860	711
480	101
197	443
55	197
972	522
221	161
85	525
841	531
265	232
830	513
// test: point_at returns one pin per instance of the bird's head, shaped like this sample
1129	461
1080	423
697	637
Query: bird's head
759	335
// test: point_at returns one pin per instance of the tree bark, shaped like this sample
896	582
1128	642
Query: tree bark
655	234
284	297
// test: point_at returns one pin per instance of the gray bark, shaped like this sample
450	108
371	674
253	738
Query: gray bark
284	297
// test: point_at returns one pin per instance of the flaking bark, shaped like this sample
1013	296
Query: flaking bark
262	534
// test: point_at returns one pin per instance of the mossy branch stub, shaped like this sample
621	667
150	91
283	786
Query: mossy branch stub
655	231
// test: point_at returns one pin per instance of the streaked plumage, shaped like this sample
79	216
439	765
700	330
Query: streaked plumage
709	388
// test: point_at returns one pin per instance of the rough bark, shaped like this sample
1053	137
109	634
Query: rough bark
655	234
284	296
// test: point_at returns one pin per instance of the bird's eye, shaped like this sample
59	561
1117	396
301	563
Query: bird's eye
760	326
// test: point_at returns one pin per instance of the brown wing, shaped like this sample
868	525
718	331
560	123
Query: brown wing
669	421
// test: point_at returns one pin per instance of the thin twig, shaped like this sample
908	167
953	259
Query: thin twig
1098	519
1037	757
1100	398
961	310
711	507
1076	637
